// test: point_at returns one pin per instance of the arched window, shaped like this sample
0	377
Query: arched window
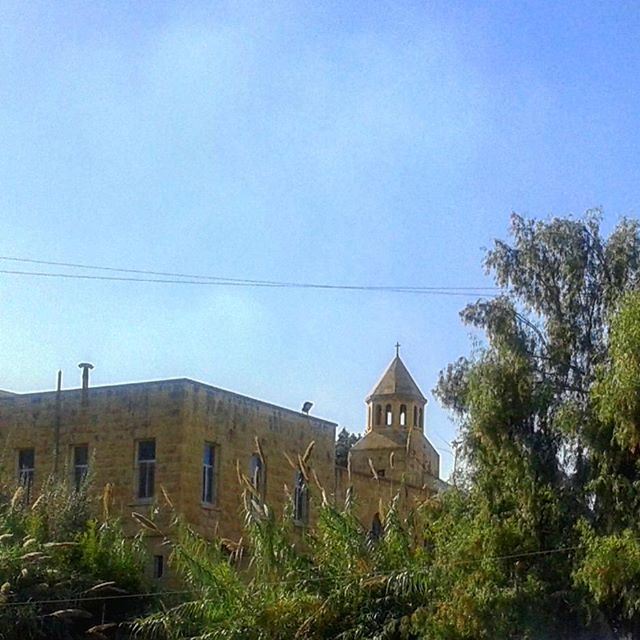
376	527
388	415
257	474
403	415
300	499
415	416
378	414
421	416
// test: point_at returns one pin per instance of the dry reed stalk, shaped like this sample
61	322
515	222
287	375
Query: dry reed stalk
294	466
381	512
107	500
33	556
102	585
348	499
29	541
17	497
71	613
307	453
303	469
145	522
316	479
323	493
166	497
409	432
259	450
249	486
60	545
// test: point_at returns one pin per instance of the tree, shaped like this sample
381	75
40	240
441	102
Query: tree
344	443
533	442
540	537
610	565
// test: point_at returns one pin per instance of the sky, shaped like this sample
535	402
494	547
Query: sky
367	143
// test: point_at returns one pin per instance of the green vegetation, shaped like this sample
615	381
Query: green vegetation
538	537
344	442
61	572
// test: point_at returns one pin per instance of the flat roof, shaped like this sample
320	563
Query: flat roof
6	395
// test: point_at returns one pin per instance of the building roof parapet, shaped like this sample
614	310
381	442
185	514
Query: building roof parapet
181	382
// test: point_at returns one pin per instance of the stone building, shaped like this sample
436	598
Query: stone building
189	442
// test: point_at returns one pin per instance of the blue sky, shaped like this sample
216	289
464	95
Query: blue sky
343	142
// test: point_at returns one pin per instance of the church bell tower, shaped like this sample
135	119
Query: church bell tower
394	444
396	404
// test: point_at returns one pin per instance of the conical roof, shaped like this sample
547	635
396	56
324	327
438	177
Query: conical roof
397	380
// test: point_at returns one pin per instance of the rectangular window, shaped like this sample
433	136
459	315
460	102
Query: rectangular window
158	566
26	470
80	465
209	474
146	463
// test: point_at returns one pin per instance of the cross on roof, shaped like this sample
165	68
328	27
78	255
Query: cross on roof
397	349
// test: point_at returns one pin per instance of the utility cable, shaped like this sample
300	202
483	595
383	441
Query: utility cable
167	277
227	283
370	576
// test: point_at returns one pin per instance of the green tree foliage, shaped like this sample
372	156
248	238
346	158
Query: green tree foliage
539	537
546	412
609	568
344	443
61	572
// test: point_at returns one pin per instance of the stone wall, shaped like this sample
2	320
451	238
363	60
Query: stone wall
370	494
180	415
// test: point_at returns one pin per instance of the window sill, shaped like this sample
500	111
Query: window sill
141	502
208	506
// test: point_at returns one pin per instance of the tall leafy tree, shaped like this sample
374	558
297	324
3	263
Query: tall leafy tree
539	537
531	437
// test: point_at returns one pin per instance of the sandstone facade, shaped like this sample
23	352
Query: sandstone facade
188	441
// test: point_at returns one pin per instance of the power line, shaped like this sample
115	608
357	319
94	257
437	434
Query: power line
167	277
79	276
369	576
119	596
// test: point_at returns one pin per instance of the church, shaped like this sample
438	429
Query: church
200	448
394	455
